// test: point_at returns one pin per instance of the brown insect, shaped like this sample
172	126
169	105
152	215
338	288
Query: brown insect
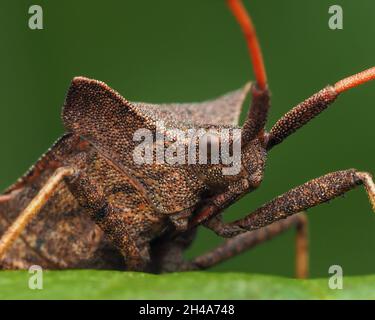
87	204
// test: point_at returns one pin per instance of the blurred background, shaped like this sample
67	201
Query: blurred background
182	51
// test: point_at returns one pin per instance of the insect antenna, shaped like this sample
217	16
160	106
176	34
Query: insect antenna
311	107
248	29
257	115
355	80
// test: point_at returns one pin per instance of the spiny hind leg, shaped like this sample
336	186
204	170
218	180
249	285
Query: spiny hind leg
33	208
246	241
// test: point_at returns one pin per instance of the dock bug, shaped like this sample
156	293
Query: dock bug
87	204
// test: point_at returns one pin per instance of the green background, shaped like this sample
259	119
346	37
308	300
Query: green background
164	51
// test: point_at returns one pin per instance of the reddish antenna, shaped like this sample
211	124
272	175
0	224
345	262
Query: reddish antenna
248	29
355	80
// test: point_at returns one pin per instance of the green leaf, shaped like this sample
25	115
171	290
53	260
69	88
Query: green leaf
88	284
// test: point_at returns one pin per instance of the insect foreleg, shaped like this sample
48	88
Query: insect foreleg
33	208
308	195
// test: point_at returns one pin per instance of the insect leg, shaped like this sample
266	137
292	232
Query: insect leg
33	208
118	213
248	240
117	230
168	253
308	195
311	107
302	246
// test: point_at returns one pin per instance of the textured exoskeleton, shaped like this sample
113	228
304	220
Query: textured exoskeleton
89	203
134	204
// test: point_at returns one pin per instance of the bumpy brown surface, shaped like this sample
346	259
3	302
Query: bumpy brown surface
129	203
117	214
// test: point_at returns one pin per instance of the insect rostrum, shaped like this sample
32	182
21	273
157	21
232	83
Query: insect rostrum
87	204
